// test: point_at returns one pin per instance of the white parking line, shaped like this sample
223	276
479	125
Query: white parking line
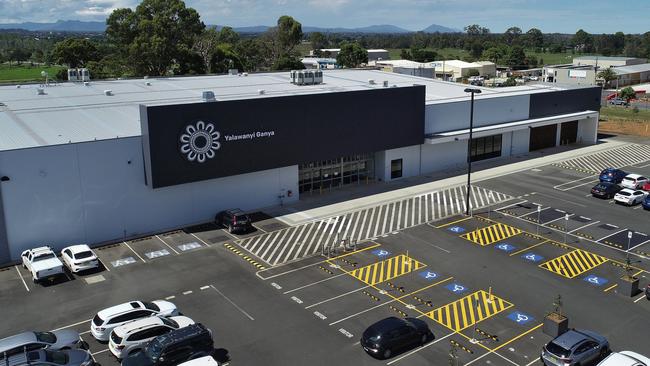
584	226
607	236
314	283
98	352
508	206
205	288
363	311
640	297
638	245
164	242
187	292
170	297
259	228
535	211
199	239
420	348
559	218
235	305
533	361
336	297
105	266
22	279
71	325
571	181
134	252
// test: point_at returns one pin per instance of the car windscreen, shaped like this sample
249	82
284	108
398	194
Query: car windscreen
56	357
623	193
43	257
84	254
558	350
628	179
241	217
372	334
45	337
601	186
169	322
151	306
97	320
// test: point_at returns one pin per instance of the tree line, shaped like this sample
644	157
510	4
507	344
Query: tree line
164	37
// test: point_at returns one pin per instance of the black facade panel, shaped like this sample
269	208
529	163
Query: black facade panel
564	101
569	133
193	142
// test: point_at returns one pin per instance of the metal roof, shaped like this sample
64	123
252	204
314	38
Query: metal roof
631	69
74	112
605	58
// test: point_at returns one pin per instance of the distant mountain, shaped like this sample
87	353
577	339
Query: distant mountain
59	26
435	28
80	26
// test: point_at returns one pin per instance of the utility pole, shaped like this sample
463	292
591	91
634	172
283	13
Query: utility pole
469	146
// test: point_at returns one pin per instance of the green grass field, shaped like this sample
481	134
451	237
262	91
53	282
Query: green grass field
25	73
626	114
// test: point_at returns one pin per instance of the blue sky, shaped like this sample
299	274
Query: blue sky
565	16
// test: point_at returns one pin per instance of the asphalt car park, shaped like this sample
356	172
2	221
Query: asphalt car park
483	284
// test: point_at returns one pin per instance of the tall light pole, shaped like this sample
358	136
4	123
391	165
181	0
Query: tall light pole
469	145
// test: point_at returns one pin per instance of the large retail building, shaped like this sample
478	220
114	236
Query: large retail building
111	160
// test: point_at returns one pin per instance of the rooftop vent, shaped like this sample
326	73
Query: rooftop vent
306	77
146	77
385	83
86	83
147	83
371	81
40	91
233	72
18	86
208	96
261	92
108	92
244	73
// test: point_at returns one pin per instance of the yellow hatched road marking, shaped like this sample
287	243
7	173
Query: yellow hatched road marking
491	234
573	263
386	270
469	310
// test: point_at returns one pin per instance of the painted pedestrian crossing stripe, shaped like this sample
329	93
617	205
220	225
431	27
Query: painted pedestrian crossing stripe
618	157
386	270
469	310
491	234
573	263
309	239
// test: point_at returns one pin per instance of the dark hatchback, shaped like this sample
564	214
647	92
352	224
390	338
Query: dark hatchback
612	175
235	220
388	336
605	190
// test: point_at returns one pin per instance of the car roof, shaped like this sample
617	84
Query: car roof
35	356
136	325
235	211
120	309
78	248
387	324
628	190
43	249
624	358
181	334
201	361
570	338
16	340
633	176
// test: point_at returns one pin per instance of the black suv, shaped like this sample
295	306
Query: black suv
175	347
235	220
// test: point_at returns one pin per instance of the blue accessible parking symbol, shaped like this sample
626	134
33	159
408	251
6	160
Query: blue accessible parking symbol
380	252
457	229
428	275
595	280
505	247
456	288
520	318
532	257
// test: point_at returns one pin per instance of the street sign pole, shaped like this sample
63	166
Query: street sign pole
566	226
629	239
539	212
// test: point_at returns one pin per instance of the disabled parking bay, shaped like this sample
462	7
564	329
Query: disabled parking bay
150	248
180	241
116	255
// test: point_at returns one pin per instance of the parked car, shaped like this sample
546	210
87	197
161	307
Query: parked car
619	101
625	358
646	186
108	319
575	347
201	361
42	263
634	181
393	334
630	197
647	292
133	336
175	347
43	357
612	175
605	190
235	220
79	258
646	202
30	341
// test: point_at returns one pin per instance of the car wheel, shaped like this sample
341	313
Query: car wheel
424	338
386	354
603	353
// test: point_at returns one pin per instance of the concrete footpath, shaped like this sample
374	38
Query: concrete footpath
351	198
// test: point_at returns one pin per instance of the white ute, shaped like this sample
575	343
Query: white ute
42	263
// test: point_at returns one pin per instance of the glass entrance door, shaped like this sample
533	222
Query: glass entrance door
324	175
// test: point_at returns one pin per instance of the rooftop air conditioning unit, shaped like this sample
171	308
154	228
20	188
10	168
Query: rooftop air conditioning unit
233	72
83	75
208	96
306	77
371	81
108	92
385	83
261	92
40	91
73	75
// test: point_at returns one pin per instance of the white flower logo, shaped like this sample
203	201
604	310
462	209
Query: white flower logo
199	141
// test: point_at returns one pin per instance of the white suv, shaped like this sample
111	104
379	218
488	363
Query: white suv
106	320
633	181
625	358
132	337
